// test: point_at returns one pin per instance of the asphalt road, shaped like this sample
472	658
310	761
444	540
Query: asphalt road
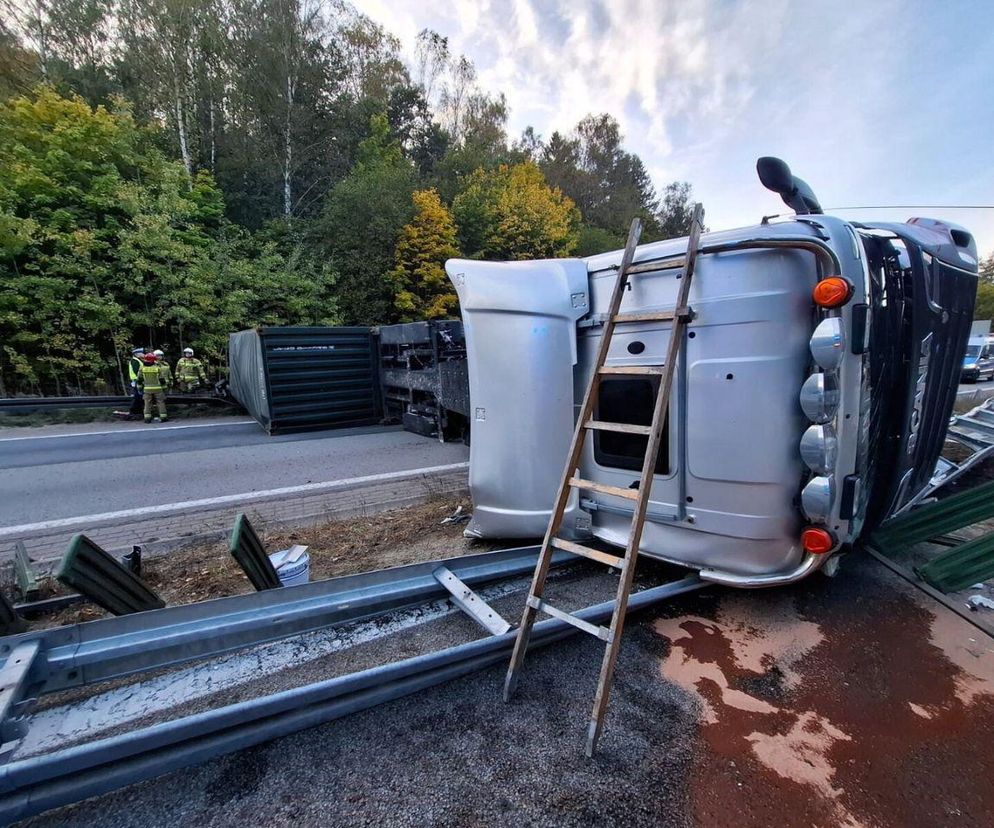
47	474
987	385
848	701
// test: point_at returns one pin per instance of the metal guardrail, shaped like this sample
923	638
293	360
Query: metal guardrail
30	404
973	430
120	646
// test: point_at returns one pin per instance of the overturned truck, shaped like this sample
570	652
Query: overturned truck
810	402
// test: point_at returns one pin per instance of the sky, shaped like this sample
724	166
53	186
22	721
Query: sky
876	103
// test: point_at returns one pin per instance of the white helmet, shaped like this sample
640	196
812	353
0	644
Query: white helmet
158	354
188	352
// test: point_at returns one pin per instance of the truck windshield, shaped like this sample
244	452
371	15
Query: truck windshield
973	351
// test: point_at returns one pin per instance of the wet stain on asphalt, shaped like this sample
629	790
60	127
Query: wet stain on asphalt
845	703
853	701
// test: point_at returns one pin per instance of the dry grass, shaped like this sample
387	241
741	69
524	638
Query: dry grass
341	547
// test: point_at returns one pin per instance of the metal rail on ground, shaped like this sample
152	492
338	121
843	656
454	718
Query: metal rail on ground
96	651
25	405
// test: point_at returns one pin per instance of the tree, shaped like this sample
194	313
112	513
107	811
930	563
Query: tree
422	290
512	213
19	67
372	58
677	210
609	185
80	190
594	240
984	309
105	242
432	55
987	269
362	218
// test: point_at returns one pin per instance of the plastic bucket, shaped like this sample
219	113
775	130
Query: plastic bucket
292	570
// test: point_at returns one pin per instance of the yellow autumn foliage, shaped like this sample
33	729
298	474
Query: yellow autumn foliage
421	288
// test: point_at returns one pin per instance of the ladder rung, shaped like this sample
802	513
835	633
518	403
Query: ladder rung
644	370
623	428
653	267
587	552
603	488
603	633
646	316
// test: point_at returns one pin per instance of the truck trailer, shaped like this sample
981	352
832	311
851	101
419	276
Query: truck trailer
810	401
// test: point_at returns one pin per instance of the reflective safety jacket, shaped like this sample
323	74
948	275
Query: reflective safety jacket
134	367
165	374
190	369
149	378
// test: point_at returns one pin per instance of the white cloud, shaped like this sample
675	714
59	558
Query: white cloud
868	104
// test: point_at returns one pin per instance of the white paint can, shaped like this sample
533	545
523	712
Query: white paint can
293	565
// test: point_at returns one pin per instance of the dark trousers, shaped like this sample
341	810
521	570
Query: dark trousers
137	403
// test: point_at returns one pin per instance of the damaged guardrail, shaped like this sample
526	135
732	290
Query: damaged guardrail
35	784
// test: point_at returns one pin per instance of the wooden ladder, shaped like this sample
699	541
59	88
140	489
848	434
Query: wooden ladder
679	316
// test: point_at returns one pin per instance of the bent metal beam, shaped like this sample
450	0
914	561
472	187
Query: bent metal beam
39	783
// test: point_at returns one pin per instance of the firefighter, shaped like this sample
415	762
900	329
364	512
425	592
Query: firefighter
150	382
164	370
190	372
134	368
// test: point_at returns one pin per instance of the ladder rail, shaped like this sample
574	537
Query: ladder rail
659	415
585	423
576	446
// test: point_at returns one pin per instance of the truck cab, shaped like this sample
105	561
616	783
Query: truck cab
785	414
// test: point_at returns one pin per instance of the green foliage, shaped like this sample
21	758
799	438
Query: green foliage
193	168
984	308
422	290
609	185
675	213
594	240
103	241
987	269
512	213
362	219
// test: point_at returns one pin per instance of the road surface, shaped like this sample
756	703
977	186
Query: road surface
849	701
52	473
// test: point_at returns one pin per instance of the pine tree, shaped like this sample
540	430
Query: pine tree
422	290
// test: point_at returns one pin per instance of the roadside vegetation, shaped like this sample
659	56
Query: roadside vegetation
174	171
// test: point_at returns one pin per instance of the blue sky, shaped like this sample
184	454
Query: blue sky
878	102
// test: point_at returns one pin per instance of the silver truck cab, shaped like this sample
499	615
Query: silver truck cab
785	415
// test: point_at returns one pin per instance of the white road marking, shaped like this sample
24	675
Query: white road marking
224	500
125	431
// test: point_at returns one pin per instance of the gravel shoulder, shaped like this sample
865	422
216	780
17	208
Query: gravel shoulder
848	701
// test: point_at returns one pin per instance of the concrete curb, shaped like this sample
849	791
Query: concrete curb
967	398
161	528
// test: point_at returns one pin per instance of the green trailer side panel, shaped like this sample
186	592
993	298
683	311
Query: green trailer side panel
99	576
27	579
935	519
961	566
10	621
248	551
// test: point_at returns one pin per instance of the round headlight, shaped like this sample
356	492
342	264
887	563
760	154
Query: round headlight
820	448
817	497
820	397
828	343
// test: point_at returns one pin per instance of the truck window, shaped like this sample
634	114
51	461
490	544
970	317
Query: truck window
628	401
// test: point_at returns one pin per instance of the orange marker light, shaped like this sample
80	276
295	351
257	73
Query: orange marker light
832	292
817	541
